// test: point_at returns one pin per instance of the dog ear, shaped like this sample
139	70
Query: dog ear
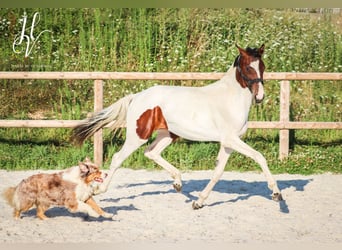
87	159
83	167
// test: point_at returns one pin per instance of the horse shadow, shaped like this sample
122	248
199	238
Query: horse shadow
242	190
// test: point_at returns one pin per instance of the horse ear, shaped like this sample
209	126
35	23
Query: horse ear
241	50
261	49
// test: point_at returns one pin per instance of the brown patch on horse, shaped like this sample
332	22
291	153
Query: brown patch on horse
149	121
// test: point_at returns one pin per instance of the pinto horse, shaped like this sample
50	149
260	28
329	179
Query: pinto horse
217	112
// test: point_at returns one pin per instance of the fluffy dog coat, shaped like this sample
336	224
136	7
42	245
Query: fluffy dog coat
72	188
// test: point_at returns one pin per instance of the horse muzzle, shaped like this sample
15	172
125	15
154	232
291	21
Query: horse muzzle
257	101
257	90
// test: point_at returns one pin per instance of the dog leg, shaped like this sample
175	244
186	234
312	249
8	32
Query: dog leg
85	208
97	209
21	208
16	214
41	212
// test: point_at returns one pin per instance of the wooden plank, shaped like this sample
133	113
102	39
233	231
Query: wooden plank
294	125
284	143
251	124
302	76
39	123
98	136
284	134
111	75
161	75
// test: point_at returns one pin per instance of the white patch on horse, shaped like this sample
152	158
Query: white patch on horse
255	66
260	94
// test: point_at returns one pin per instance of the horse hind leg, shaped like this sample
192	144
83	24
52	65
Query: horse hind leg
132	143
154	151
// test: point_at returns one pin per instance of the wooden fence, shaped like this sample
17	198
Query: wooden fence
284	124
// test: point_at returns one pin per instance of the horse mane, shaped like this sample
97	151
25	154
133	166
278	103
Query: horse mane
253	52
236	62
250	51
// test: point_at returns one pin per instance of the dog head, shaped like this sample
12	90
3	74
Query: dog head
91	173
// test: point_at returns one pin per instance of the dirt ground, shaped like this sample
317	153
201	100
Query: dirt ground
147	210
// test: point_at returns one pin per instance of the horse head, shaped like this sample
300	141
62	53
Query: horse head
250	70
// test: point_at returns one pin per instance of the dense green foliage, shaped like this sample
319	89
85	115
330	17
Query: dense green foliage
168	40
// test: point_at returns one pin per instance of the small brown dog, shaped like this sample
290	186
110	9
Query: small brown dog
72	188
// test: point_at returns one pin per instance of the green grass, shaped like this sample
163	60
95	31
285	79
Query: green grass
308	156
169	40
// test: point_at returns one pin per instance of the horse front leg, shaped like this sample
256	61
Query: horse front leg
248	151
221	161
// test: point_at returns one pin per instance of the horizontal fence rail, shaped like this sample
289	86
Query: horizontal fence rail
159	76
283	125
251	124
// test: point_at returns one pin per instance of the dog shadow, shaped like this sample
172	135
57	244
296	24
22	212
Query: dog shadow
242	190
55	212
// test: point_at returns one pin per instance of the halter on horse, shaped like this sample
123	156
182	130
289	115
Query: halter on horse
216	112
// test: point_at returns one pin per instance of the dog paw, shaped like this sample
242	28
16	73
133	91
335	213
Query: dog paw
94	215
108	215
99	190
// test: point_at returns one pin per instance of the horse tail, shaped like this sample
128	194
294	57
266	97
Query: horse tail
114	114
8	194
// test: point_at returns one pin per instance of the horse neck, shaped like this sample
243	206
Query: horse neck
230	80
240	98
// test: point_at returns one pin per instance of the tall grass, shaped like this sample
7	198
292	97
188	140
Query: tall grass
166	40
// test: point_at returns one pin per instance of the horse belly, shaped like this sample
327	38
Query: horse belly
195	124
194	133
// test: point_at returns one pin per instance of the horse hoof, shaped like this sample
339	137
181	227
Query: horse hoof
177	187
277	197
196	206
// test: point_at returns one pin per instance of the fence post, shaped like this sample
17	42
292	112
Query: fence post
98	138
284	134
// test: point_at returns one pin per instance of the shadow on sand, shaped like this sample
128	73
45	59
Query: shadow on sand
242	189
54	212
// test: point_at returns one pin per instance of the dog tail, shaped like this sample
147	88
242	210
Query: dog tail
8	194
114	114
